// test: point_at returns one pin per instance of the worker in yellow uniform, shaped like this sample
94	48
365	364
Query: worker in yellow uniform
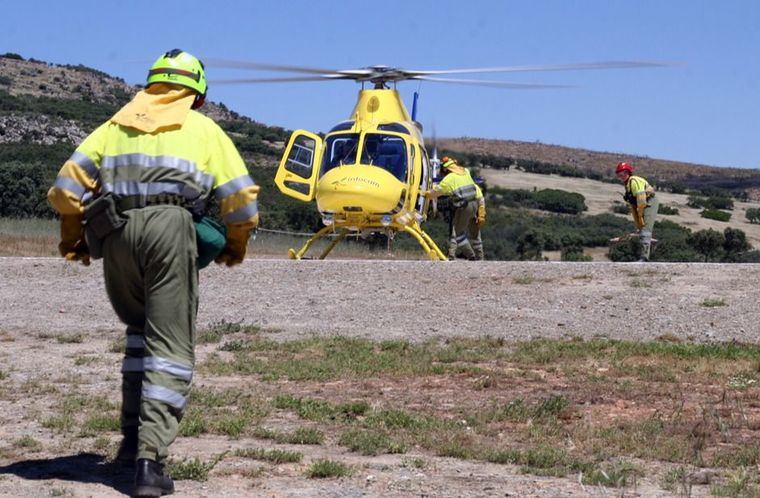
133	192
469	209
643	204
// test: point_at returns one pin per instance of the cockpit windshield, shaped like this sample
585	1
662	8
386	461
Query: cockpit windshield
387	152
339	150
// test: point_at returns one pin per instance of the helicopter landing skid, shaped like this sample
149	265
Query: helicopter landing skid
427	244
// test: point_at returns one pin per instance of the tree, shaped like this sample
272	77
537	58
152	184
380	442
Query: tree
709	243
529	246
735	244
753	215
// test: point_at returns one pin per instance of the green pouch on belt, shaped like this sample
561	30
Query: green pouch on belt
211	236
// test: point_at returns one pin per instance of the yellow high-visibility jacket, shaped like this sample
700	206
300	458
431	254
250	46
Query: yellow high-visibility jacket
460	185
190	161
638	191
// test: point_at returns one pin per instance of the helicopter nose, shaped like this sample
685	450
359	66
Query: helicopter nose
358	188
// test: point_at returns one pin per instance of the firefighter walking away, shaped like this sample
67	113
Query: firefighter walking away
133	193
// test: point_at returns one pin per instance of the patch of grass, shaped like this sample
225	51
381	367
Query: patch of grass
370	442
62	423
539	460
640	284
95	410
101	443
413	463
100	422
651	438
546	351
315	409
743	483
618	476
70	338
523	280
118	346
61	492
230	424
321	359
216	332
547	409
675	480
738	457
274	456
743	380
192	469
3	375
81	360
328	468
302	435
714	302
399	419
193	423
28	443
585	277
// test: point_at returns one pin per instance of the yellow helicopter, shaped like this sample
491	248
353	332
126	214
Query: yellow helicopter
369	173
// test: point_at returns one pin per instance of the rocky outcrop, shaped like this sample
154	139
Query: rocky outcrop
39	129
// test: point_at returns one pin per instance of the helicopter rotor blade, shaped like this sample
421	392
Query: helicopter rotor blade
498	84
547	67
261	66
293	79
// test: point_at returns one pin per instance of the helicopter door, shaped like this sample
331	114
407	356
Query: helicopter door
422	201
297	174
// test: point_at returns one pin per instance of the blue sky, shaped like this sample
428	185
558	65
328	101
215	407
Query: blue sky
705	111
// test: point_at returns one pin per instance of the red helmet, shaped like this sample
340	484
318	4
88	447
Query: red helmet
623	167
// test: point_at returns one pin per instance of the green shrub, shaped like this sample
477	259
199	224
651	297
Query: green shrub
24	192
560	201
620	208
714	214
574	253
753	215
553	200
666	210
709	243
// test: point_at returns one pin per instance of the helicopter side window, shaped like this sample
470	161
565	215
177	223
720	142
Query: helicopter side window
387	152
339	150
301	157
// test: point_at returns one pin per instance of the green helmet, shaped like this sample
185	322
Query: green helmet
179	68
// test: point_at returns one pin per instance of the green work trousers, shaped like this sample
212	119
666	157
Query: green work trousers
465	233
152	282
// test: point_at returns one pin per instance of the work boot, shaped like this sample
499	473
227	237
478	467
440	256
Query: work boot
128	448
150	480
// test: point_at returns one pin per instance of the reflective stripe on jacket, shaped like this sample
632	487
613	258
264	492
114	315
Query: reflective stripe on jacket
461	186
190	161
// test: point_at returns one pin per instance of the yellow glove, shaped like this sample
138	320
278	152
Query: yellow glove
236	246
481	215
73	246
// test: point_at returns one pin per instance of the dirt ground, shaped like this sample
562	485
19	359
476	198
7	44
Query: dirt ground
45	301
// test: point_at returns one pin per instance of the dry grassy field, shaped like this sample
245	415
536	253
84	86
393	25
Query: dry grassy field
601	196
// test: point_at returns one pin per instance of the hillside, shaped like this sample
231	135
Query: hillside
694	176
